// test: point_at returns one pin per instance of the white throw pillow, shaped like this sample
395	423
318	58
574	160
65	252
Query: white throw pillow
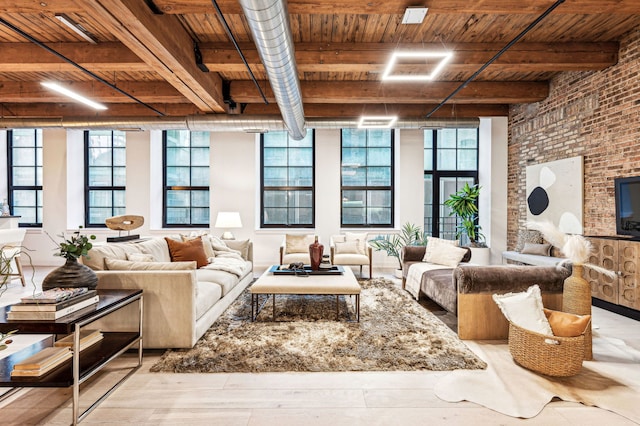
434	244
525	310
348	247
448	255
360	238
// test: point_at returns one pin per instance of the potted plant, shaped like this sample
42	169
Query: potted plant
464	204
72	273
392	244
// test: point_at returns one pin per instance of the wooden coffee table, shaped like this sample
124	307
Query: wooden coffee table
334	284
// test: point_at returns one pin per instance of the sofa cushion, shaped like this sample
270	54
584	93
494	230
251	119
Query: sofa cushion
241	246
207	294
528	236
360	238
99	253
224	279
348	247
140	257
433	244
564	324
157	247
126	265
206	245
189	250
350	259
539	249
298	243
525	310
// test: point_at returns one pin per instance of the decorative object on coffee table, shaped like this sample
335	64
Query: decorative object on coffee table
315	254
72	273
576	295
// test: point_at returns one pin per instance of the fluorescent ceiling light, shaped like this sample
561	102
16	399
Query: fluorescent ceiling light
377	122
73	95
388	76
414	15
76	28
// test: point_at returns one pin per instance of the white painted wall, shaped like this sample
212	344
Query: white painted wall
235	183
492	176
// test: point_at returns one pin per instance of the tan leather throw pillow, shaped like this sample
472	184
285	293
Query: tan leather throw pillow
564	324
189	250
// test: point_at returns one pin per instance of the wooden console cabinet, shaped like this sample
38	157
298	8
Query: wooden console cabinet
623	257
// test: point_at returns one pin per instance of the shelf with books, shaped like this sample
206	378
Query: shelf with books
22	311
95	351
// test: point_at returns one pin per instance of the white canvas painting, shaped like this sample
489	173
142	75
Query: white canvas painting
554	193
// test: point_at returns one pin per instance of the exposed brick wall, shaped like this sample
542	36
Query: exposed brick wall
593	114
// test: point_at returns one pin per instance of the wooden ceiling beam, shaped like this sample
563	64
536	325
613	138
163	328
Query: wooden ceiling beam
503	7
27	57
338	92
315	92
70	110
149	92
162	42
377	7
373	57
320	57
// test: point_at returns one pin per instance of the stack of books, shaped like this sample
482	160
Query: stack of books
53	304
42	362
87	338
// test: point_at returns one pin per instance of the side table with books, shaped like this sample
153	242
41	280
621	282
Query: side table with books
79	350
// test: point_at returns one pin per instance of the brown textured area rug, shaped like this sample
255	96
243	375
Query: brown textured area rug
394	333
610	381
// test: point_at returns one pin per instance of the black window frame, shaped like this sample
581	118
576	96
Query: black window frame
311	188
166	188
390	188
11	187
434	229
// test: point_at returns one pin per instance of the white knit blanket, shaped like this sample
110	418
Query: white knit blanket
414	276
228	262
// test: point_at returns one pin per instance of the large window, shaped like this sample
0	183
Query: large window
24	155
367	178
450	161
186	178
105	175
287	181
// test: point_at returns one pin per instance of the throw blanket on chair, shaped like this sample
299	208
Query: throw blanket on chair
228	262
416	271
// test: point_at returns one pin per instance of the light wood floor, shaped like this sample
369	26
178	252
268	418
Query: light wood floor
362	398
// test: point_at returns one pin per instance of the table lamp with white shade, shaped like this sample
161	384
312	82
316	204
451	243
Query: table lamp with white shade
226	221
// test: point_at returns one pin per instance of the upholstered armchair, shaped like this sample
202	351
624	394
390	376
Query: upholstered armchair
351	249
295	248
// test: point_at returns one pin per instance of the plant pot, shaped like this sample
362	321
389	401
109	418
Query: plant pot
397	273
480	256
71	274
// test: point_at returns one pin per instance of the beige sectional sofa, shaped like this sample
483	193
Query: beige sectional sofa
180	301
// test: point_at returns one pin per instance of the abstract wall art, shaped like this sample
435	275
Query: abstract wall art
555	193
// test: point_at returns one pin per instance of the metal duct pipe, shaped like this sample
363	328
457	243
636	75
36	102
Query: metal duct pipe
224	123
269	24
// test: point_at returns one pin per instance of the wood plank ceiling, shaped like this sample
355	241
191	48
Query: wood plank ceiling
146	48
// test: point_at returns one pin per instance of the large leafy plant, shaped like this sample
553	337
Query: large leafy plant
75	246
464	204
410	235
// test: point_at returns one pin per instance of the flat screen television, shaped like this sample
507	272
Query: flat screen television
628	206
